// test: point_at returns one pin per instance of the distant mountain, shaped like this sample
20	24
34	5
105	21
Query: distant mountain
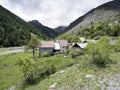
49	32
60	29
108	13
14	31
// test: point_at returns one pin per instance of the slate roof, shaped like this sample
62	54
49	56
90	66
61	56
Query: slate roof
46	44
81	45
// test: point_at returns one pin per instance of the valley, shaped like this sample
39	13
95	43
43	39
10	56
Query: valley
85	55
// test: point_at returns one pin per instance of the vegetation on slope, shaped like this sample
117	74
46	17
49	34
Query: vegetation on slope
49	32
101	29
60	29
107	27
69	37
75	77
107	12
14	31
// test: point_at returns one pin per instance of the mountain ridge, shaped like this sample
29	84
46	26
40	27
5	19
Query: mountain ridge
44	29
104	11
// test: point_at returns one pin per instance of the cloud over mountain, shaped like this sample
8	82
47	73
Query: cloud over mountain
51	12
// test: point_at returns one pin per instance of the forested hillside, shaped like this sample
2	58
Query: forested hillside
14	31
49	32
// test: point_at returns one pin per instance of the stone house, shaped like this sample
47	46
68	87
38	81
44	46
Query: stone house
50	47
63	45
46	46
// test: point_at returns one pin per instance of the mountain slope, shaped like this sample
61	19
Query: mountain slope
46	30
14	31
60	29
107	13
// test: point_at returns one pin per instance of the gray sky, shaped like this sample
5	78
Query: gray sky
51	13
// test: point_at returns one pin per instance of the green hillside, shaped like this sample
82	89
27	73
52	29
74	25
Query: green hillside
14	31
49	32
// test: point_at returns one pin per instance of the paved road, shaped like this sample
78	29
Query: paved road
12	51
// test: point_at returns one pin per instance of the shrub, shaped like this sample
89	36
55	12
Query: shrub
117	46
57	52
45	54
99	52
34	72
75	53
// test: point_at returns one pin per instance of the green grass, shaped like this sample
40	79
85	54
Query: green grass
11	72
74	77
58	60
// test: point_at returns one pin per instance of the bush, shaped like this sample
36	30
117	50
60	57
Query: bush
99	52
57	52
34	72
75	53
45	54
117	46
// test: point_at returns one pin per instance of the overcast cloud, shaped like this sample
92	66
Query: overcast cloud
51	13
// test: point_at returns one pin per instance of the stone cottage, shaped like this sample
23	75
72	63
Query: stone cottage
46	46
49	46
63	45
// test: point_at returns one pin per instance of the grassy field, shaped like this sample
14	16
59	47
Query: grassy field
11	73
73	77
81	76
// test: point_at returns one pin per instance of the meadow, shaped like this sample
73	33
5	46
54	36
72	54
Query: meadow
96	68
81	76
11	73
75	75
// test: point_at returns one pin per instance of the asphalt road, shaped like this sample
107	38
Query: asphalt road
12	50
